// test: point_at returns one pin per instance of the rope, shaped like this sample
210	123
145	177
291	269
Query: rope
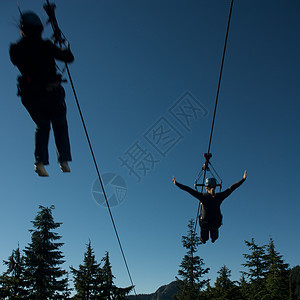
217	98
100	180
55	29
215	172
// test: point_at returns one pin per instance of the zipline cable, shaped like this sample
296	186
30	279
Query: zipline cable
58	37
217	98
99	177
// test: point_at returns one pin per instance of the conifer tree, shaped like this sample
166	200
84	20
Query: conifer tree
256	264
108	278
244	288
277	277
88	277
66	294
95	282
12	282
208	293
223	281
224	287
191	268
108	289
294	285
43	258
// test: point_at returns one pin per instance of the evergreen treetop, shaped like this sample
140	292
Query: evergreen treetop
87	278
191	268
13	282
43	258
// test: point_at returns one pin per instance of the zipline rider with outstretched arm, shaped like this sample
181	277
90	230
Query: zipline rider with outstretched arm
40	89
210	218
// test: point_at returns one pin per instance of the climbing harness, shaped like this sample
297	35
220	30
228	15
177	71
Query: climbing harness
207	168
208	155
61	40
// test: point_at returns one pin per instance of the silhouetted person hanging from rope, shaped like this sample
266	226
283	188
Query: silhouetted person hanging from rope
40	89
210	219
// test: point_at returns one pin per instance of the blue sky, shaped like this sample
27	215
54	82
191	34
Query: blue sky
134	62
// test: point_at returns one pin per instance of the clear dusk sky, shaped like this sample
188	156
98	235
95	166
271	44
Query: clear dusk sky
137	65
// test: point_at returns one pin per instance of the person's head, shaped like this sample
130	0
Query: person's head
31	25
210	185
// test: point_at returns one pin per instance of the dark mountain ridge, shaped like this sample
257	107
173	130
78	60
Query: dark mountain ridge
165	292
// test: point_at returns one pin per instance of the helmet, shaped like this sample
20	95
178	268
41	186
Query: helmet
31	23
210	182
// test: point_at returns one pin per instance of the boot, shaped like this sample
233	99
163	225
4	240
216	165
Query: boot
40	170
65	167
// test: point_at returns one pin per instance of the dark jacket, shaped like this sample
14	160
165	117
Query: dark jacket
210	205
35	59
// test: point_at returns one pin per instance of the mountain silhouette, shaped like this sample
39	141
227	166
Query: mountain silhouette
165	292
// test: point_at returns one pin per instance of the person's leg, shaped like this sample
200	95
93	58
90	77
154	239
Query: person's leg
204	234
214	234
42	131
38	114
60	125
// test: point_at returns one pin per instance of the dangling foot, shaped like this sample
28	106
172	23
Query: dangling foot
202	240
40	170
65	167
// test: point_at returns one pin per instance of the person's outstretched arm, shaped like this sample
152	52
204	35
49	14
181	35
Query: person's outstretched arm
235	185
239	183
188	189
